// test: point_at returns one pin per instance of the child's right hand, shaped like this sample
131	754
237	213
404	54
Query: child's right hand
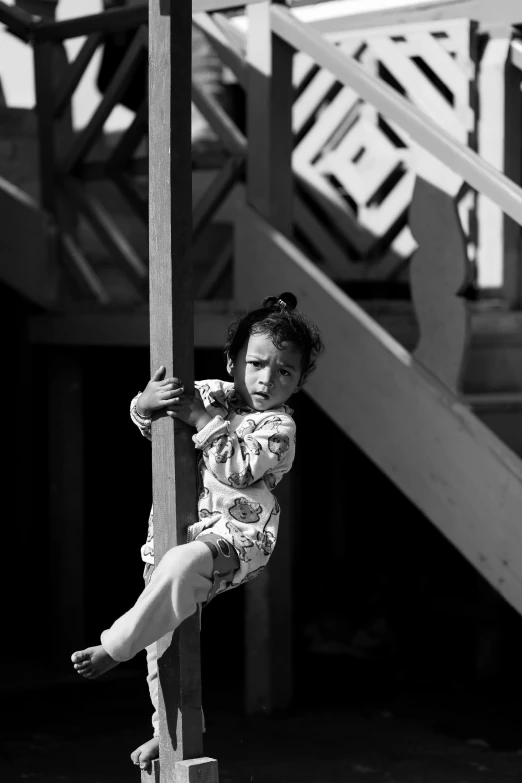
159	393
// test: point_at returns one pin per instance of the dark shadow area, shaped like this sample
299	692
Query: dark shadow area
406	662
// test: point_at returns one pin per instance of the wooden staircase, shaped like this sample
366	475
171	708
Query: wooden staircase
419	433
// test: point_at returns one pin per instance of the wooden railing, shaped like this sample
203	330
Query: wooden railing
319	220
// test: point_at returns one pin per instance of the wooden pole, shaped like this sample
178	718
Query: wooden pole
172	340
268	642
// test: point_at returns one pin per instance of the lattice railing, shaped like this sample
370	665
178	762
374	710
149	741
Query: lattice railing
359	169
87	183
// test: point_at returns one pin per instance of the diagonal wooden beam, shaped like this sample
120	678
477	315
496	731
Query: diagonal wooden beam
82	270
104	226
75	72
219	121
216	194
129	192
108	22
130	138
115	90
231	56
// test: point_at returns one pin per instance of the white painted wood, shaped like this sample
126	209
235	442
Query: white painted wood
499	132
359	14
466	481
490	252
435	140
199	6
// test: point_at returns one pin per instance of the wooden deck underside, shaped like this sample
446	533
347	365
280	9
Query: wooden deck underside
494	362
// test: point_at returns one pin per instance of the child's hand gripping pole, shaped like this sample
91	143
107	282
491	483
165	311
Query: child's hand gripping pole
159	393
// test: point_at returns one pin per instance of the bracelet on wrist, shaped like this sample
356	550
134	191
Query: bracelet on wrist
140	415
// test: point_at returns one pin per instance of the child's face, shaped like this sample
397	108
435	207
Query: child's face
266	376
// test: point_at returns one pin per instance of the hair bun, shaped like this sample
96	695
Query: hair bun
286	300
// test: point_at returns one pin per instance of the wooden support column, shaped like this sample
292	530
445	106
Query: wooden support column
269	621
499	133
268	626
66	501
269	121
172	341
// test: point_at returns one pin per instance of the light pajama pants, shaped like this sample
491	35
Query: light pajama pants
187	576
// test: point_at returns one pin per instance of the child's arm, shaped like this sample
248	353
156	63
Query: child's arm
159	393
268	449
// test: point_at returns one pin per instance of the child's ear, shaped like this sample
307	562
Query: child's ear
230	366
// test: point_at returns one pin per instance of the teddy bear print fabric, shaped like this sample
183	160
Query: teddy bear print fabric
243	455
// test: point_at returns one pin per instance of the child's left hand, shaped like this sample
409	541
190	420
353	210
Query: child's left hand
189	409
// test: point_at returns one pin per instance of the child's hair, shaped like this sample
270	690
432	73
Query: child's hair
282	323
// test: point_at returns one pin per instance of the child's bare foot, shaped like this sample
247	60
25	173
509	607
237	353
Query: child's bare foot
146	753
93	661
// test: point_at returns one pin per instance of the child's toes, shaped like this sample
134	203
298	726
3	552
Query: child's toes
80	657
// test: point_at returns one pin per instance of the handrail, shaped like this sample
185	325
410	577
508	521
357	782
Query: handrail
209	6
456	156
31	28
338	15
109	21
17	21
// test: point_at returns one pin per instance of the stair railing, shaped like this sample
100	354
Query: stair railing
441	271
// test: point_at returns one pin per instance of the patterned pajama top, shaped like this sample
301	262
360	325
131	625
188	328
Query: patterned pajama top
244	454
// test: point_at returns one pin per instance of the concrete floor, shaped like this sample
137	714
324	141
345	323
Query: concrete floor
73	731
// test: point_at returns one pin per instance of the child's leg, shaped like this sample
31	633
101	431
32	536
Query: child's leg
180	582
152	682
144	754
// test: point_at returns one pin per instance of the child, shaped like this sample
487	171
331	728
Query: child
245	436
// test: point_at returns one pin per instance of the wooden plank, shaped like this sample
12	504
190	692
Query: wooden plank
270	181
199	6
129	192
75	71
420	434
222	185
499	132
18	22
82	270
118	84
97	169
360	14
110	21
130	138
230	135
66	500
478	173
231	56
270	191
44	89
233	34
171	337
119	248
268	626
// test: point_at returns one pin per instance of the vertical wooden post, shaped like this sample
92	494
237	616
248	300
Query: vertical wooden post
268	643
269	120
54	133
500	129
172	340
66	502
268	625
